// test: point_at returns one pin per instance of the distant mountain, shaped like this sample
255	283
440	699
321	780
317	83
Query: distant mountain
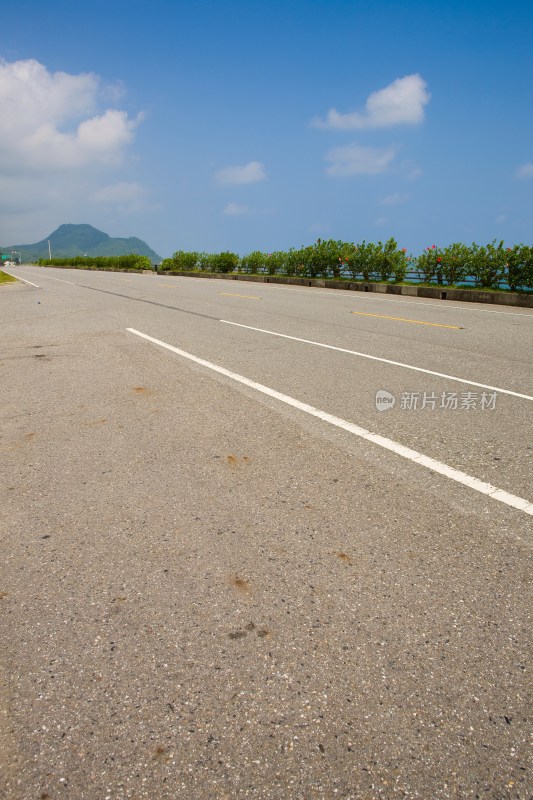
82	240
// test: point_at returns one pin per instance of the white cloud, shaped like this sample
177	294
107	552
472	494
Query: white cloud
50	121
409	170
236	210
31	95
319	228
122	192
414	174
59	136
250	173
525	171
354	159
395	199
400	103
100	139
125	197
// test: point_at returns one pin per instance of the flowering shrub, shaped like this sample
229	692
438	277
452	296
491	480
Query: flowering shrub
429	264
363	261
527	271
391	261
291	262
488	265
378	261
455	261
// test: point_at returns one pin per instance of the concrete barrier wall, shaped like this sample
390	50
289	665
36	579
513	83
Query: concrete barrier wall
524	300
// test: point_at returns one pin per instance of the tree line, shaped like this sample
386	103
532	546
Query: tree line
486	266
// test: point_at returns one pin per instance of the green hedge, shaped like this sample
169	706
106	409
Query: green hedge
131	261
485	266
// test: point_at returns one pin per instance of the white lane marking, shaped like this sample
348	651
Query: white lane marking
54	279
24	280
352	295
412	455
349	295
383	360
444	304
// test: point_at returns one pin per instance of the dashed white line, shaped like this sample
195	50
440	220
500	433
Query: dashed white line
382	360
411	455
24	280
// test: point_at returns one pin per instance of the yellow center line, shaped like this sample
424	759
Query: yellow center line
245	296
414	321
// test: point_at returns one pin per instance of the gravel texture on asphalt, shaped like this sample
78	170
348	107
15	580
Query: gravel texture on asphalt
204	595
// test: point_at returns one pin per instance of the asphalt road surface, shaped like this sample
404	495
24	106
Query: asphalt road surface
262	542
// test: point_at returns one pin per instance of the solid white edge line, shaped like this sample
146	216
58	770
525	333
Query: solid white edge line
24	280
412	455
378	358
356	295
51	278
387	298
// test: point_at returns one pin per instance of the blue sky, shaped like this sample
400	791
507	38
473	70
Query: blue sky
264	125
